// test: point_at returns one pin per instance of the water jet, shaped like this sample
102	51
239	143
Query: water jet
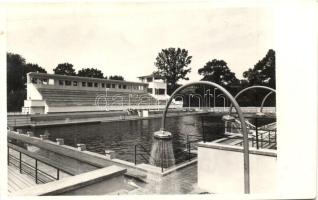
162	150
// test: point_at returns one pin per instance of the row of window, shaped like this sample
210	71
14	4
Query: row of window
157	91
86	84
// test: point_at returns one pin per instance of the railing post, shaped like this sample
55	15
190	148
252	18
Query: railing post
256	131
8	156
252	141
161	157
58	174
189	153
261	140
269	137
135	154
203	134
36	171
20	162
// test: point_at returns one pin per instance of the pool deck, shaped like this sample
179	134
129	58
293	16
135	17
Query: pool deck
65	122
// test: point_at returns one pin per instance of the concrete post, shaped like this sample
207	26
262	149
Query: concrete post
110	154
81	147
20	131
30	133
60	141
44	137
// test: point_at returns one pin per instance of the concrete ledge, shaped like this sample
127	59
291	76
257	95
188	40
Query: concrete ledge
252	150
74	182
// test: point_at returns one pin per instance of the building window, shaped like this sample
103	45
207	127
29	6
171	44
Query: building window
95	84
161	91
103	85
149	90
125	87
113	86
34	80
44	81
149	79
83	84
89	84
107	85
61	82
68	83
119	86
74	83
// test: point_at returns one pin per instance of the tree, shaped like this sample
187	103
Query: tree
91	72
65	69
173	65
15	65
16	80
30	67
263	72
116	77
217	71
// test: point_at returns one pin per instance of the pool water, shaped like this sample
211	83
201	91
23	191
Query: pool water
121	136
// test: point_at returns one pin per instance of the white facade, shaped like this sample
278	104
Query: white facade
157	86
51	93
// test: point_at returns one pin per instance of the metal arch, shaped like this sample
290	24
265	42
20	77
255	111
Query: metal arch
248	88
180	96
262	105
241	117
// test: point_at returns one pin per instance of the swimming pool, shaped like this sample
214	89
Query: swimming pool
121	136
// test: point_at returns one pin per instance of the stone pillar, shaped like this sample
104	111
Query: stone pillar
110	154
20	131
44	137
81	147
30	133
60	141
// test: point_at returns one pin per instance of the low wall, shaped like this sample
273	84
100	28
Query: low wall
221	170
62	109
97	182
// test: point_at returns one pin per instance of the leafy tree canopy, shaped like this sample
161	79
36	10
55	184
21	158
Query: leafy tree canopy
217	71
263	72
173	65
16	80
65	69
15	66
116	77
91	72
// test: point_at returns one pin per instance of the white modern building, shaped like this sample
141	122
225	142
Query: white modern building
157	86
52	93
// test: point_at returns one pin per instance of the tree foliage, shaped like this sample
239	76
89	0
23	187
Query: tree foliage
173	65
91	72
217	71
65	69
263	72
30	67
116	77
17	68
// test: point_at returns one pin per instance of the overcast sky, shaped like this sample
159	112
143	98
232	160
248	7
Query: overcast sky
124	39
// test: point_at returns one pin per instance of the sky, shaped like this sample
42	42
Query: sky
125	38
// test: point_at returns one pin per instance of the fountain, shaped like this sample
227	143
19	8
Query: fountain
162	150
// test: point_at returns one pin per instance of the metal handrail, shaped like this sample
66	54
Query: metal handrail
261	137
35	168
36	176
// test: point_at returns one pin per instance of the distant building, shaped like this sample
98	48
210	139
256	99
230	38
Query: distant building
157	86
52	93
